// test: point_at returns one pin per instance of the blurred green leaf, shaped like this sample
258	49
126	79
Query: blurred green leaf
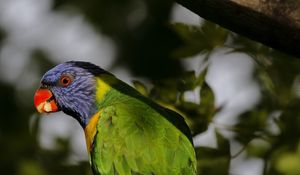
201	77
211	161
199	39
187	81
207	103
250	125
258	148
198	122
140	87
222	143
28	167
288	162
260	53
214	161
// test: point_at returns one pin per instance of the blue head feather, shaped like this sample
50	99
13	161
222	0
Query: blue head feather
77	99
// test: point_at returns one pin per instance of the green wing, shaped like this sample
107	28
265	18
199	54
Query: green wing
133	138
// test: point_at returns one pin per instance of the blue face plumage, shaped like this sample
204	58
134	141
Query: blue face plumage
73	85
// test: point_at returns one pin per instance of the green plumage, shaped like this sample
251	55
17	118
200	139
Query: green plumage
138	137
126	133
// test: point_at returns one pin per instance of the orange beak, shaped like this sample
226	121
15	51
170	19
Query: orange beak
44	101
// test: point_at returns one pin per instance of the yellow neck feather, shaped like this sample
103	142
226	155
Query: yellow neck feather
104	83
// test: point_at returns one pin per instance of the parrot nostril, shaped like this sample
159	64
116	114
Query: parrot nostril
43	86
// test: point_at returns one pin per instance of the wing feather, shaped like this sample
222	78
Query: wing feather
133	139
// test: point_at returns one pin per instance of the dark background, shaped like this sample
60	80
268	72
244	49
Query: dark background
242	125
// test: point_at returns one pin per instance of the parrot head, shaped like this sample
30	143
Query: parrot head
69	87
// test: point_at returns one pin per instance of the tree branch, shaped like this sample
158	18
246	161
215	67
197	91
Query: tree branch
275	23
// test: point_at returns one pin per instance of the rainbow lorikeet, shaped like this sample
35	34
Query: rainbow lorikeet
126	133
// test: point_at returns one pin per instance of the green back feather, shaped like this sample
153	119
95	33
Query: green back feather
137	136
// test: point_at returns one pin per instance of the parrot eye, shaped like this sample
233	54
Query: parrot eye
65	80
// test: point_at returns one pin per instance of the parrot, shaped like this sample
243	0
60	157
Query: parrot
126	132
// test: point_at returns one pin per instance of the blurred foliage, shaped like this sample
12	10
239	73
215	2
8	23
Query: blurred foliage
140	30
203	39
150	47
214	161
